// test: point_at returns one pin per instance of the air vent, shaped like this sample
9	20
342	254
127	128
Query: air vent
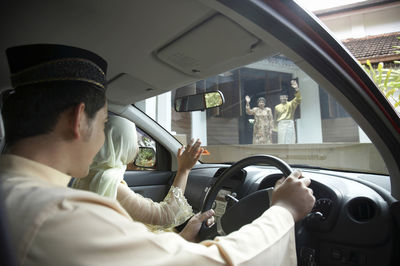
361	209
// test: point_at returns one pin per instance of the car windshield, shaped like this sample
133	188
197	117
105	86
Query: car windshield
271	107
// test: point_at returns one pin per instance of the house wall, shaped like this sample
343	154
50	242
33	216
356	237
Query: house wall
342	129
181	126
309	128
350	156
228	134
361	23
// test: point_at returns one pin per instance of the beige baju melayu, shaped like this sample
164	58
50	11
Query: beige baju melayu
52	224
284	115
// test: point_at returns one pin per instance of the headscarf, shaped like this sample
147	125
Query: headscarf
109	165
261	99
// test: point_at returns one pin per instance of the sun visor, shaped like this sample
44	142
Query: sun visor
208	47
119	90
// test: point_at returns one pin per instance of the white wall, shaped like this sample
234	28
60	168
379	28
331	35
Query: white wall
199	126
363	23
148	106
158	108
363	137
164	110
309	128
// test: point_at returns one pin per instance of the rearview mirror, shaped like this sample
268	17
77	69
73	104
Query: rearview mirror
199	101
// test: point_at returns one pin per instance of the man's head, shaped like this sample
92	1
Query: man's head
283	98
54	82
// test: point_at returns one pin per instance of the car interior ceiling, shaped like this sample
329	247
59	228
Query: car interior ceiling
168	48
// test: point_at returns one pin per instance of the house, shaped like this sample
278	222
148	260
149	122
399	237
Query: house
369	29
376	48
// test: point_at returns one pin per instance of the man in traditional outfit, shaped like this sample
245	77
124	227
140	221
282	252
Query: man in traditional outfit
284	116
54	120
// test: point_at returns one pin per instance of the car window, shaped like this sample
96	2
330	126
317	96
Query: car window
145	158
304	127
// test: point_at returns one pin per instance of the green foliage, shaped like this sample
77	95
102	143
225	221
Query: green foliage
146	157
387	80
213	99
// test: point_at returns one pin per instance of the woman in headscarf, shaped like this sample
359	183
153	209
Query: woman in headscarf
107	172
263	121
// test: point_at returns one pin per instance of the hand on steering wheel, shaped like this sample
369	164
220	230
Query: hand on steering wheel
248	208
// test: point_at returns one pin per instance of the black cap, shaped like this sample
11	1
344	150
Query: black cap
37	63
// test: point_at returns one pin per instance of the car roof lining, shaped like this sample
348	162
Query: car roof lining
202	49
128	38
124	34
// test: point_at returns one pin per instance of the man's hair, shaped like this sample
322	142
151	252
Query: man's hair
34	109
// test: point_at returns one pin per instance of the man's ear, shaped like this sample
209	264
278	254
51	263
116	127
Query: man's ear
78	120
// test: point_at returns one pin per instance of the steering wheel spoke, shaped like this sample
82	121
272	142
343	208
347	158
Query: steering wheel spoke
246	209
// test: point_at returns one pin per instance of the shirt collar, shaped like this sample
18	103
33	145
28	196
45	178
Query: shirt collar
24	167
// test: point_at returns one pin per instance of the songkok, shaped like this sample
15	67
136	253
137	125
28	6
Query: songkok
40	63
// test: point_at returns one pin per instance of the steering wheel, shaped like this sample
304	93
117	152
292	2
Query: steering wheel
246	209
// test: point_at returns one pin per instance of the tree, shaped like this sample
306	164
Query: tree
387	80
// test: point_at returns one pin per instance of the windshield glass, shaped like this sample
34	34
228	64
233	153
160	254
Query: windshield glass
271	107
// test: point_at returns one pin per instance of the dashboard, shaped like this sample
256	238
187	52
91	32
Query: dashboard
350	223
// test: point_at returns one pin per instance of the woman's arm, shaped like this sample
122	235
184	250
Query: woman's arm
248	110
174	209
187	158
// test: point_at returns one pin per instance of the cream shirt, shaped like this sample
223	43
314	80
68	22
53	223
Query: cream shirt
52	224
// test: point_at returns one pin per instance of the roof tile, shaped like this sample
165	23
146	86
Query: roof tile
375	48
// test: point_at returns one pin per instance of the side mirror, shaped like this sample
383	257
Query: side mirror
199	101
146	157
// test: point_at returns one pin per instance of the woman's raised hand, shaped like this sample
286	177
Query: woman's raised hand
189	155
